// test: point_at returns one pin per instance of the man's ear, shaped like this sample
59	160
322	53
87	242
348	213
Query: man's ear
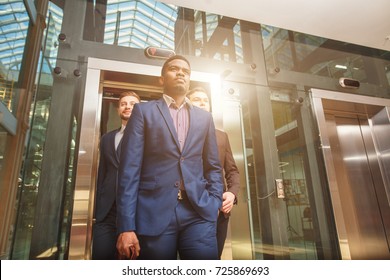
161	81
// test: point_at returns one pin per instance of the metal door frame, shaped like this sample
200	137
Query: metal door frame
317	95
87	163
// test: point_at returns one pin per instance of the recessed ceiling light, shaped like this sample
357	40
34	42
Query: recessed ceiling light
340	66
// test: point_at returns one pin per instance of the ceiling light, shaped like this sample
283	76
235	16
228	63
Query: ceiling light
340	66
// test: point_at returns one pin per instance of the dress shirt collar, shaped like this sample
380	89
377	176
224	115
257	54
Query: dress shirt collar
169	100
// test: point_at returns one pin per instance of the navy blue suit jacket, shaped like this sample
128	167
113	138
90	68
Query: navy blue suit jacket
151	166
107	175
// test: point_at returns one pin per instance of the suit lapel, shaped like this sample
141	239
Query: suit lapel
191	129
114	152
164	110
118	150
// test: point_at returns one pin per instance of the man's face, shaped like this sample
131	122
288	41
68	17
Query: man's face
201	100
126	105
176	78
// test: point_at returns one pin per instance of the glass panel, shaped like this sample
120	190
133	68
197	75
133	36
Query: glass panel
68	196
300	223
13	33
238	43
31	169
211	24
3	147
254	187
387	70
294	51
259	194
139	24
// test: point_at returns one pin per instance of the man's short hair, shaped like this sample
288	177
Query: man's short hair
173	58
128	93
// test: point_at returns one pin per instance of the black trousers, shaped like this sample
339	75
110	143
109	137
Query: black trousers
104	237
222	227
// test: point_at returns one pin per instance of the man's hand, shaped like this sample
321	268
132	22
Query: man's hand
125	241
228	200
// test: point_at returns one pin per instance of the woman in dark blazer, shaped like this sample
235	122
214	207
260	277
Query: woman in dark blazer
199	97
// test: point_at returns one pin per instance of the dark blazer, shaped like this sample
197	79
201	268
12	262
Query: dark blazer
107	175
229	166
230	170
152	165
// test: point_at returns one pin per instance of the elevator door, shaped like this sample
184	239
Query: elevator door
352	146
354	133
105	80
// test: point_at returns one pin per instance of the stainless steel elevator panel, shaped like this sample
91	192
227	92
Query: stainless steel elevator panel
363	221
381	129
354	139
239	243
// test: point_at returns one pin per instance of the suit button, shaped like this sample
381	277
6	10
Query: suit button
182	159
177	184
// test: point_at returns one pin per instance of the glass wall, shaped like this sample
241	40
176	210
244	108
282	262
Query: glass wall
13	31
291	149
39	118
135	24
269	69
280	138
293	51
14	25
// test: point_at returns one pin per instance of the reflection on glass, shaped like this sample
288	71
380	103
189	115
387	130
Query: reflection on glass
298	52
13	33
68	198
380	124
143	23
139	24
31	169
300	224
3	146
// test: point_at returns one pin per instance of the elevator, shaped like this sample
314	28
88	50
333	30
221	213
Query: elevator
354	134
106	79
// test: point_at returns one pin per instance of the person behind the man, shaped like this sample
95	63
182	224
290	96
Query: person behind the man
199	97
104	230
170	184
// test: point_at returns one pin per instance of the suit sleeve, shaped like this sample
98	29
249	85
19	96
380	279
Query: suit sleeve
212	168
129	171
101	171
232	174
102	163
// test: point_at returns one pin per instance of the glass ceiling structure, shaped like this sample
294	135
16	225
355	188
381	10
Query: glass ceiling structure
136	24
14	22
139	24
143	23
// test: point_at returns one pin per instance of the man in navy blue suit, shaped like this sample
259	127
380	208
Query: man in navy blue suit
104	230
170	182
